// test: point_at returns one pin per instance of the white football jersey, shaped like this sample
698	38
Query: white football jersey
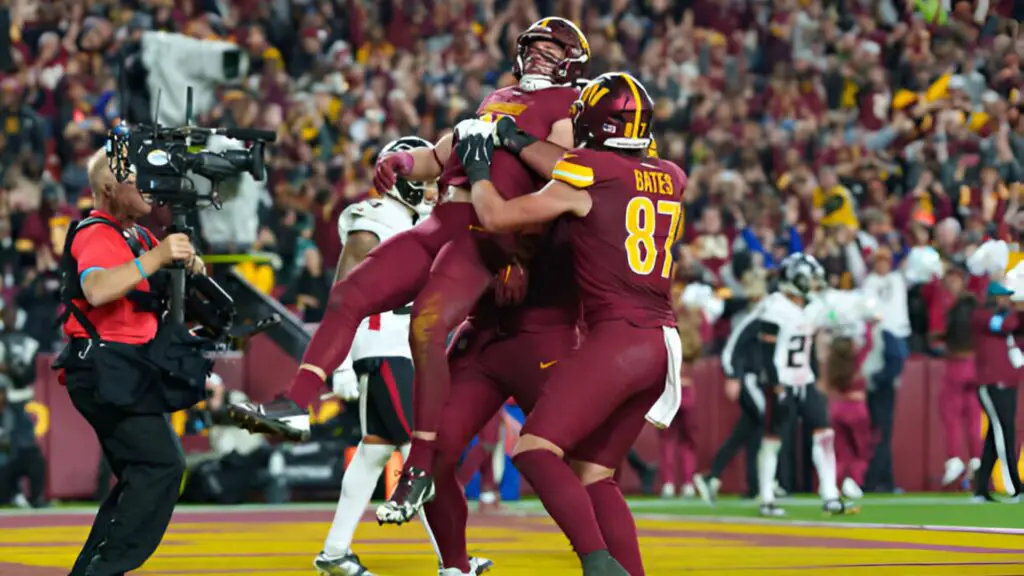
387	334
793	344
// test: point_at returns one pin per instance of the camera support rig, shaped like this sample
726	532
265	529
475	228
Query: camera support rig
162	159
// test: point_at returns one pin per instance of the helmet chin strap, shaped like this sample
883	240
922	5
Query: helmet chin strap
534	82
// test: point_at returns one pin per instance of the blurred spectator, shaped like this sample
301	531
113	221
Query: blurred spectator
20	456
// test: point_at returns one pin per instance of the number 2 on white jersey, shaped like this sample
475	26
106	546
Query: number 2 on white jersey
641	224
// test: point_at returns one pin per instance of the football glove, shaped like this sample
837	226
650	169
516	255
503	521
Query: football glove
389	168
510	137
510	285
344	382
475	148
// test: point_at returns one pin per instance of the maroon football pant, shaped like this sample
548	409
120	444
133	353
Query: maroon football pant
390	277
595	402
593	407
678	443
487	369
852	425
959	409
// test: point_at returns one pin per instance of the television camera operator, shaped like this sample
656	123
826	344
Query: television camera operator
115	366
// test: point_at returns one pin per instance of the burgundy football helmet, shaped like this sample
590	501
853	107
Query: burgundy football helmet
613	111
566	70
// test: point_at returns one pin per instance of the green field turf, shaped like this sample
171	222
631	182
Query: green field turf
911	510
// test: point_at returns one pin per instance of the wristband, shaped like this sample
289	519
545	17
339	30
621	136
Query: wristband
512	138
142	271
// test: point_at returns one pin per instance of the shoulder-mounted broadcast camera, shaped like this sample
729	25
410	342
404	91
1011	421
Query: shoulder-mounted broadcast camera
164	161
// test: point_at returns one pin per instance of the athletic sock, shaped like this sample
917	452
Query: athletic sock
564	498
767	463
421	456
617	525
357	488
447	515
487	483
472	462
823	452
330	343
306	388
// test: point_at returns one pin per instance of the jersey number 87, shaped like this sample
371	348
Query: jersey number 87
642	225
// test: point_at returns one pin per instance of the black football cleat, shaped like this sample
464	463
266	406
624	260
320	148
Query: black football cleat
279	417
601	563
415	488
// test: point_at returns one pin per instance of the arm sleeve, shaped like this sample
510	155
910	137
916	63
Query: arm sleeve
766	356
729	354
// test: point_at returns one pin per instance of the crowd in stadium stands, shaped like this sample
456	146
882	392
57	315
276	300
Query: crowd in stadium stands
855	130
835	127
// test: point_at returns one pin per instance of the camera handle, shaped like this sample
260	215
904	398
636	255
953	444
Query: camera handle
179	225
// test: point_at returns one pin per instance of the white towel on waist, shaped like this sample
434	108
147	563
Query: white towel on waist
664	410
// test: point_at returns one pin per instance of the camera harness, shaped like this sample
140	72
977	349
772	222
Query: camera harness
139	241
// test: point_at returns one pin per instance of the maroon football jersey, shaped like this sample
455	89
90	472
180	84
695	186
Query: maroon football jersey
551	294
622	248
535	113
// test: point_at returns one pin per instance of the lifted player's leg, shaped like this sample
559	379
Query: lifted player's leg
456	282
389	278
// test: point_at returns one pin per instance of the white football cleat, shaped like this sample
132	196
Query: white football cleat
668	491
954	470
851	490
688	491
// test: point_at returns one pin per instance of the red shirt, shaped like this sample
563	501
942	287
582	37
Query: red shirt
100	246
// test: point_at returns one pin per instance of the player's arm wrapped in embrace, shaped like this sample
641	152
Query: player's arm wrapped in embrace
475	148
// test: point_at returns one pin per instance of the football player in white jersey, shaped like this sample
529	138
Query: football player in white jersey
786	330
379	370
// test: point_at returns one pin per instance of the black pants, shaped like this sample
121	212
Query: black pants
1000	405
146	456
882	411
27	463
746	433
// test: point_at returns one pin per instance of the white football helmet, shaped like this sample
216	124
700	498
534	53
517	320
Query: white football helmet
410	193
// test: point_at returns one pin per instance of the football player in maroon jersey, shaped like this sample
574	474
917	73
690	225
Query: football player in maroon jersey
445	263
625	211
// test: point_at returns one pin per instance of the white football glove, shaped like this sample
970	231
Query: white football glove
344	382
474	127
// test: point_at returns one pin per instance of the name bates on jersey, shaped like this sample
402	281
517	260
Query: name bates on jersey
381	335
